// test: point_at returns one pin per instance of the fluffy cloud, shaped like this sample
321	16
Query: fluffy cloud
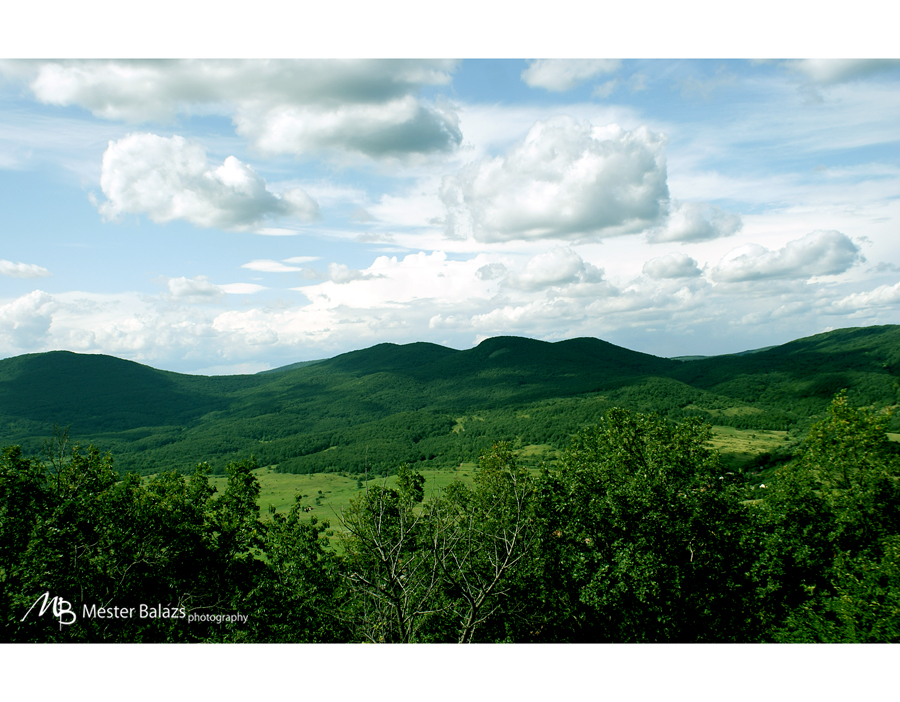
25	321
561	266
830	71
695	221
341	274
171	178
369	107
818	253
566	180
491	271
559	75
198	287
671	266
394	128
22	270
882	296
389	281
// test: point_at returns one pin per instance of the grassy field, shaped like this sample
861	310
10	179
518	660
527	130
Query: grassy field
738	447
328	493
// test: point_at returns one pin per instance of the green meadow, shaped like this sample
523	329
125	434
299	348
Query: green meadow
328	494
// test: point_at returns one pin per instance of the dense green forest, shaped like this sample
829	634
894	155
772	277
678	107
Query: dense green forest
637	534
369	410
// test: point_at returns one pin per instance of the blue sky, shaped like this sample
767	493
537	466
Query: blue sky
232	216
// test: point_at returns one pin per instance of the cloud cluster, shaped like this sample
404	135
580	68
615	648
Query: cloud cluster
695	221
22	270
671	266
566	180
171	178
817	253
555	293
368	107
559	75
882	296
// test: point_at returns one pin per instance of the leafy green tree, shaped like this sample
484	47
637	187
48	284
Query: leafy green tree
642	537
24	497
79	530
830	522
861	604
300	595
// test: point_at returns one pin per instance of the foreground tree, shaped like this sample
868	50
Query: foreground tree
392	574
445	568
830	525
299	595
76	529
643	538
482	538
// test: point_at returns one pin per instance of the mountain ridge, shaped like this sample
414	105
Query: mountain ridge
418	400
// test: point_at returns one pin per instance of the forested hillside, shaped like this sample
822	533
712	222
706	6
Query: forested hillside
426	404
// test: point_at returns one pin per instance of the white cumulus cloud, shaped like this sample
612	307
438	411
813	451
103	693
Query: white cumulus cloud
695	221
341	274
566	180
171	178
560	266
198	287
24	322
882	296
671	266
559	75
22	270
394	128
818	253
365	106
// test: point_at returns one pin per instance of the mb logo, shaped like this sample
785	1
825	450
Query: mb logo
62	609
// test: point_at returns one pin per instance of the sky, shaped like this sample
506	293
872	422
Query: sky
231	216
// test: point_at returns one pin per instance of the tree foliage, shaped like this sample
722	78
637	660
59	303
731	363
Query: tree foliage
643	536
829	529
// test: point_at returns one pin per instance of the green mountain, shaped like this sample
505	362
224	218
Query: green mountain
374	408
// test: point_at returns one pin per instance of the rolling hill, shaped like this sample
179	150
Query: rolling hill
373	408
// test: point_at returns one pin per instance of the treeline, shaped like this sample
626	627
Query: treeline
637	534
